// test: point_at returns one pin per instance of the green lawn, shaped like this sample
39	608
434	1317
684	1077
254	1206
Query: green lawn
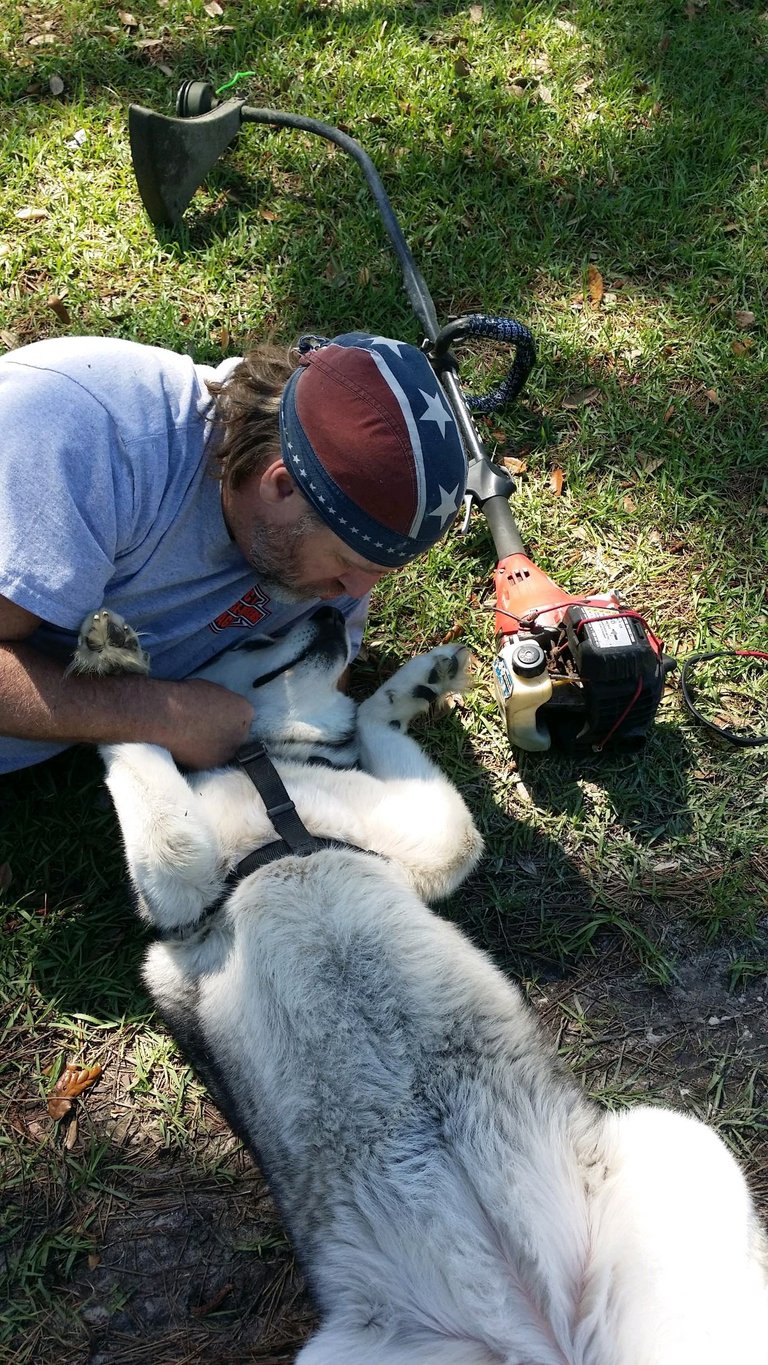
519	144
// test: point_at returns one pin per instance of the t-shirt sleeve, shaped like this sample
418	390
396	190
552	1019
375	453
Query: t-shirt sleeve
60	471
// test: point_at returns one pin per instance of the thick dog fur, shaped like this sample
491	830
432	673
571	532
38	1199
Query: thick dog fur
452	1195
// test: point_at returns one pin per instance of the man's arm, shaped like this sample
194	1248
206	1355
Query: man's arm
201	723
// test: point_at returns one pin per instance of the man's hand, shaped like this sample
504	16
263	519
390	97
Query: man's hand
201	723
206	723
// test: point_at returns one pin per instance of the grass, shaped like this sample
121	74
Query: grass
520	143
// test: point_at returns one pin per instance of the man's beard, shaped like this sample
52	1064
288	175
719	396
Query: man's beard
275	557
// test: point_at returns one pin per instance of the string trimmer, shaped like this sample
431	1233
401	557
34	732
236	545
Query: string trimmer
581	672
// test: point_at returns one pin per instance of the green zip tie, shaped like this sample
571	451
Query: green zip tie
238	76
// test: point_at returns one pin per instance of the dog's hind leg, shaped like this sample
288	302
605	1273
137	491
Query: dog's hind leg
171	850
427	827
364	1346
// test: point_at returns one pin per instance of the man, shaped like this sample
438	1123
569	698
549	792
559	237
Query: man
202	505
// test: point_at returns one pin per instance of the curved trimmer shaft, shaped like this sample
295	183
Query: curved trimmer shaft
172	156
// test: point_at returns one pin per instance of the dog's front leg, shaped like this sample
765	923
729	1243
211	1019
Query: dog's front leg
171	850
431	832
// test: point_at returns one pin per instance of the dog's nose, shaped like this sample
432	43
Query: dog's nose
328	616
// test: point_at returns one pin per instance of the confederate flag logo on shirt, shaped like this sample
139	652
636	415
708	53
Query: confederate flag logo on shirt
247	611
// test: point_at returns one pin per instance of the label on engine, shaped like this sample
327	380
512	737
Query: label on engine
504	678
613	633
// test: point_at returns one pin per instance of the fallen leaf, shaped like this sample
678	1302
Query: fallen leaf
514	465
59	1108
595	286
31	215
629	504
556	481
94	1259
581	87
712	395
58	306
579	398
741	347
70	1137
476	14
545	94
42	40
744	318
213	9
649	462
56	85
126	19
72	1082
669	414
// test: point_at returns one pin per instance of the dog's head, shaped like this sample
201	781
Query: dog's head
292	681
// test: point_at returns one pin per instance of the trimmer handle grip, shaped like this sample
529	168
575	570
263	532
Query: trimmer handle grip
495	329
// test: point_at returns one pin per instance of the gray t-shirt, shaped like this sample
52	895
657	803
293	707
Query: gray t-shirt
106	499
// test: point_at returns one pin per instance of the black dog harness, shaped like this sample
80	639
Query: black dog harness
295	839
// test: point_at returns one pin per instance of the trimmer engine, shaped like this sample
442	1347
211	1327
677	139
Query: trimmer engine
575	672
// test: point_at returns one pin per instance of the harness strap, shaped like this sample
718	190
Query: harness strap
256	763
295	840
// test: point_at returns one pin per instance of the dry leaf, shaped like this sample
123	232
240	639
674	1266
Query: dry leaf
556	481
629	504
72	1082
70	1137
126	19
58	1108
31	215
514	465
545	94
476	14
669	414
56	85
595	286
744	318
213	9
43	39
741	347
580	398
58	306
94	1259
649	462
712	395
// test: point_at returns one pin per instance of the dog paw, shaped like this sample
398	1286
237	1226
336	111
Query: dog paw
420	683
106	644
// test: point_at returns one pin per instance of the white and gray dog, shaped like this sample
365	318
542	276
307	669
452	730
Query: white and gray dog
452	1195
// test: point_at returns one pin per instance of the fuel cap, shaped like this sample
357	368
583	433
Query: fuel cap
528	659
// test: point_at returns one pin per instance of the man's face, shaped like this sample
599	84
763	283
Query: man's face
297	558
306	561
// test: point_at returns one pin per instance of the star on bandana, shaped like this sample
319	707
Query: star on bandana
386	341
435	411
447	505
